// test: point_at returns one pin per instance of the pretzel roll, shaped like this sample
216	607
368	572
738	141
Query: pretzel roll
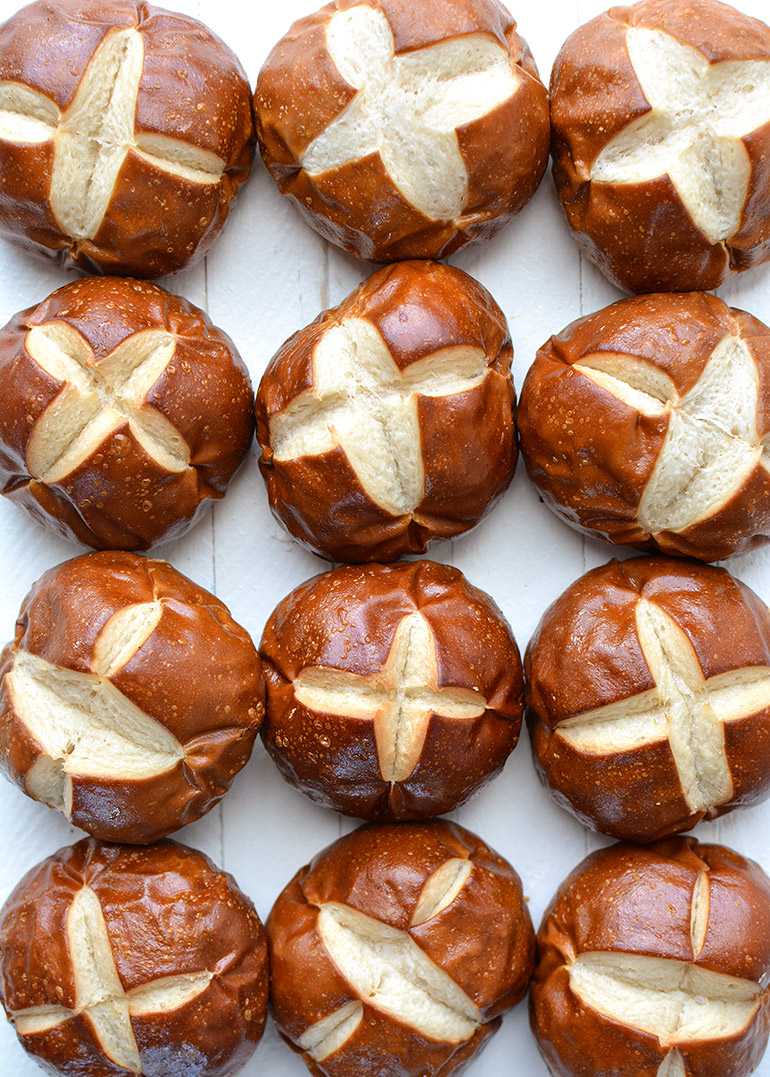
124	412
129	698
397	950
133	961
125	131
388	421
654	962
648	697
394	691
648	423
661	142
404	128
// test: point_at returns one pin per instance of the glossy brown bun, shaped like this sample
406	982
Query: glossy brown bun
129	698
123	412
654	962
661	143
397	950
117	960
406	711
404	128
388	421
648	423
648	697
81	77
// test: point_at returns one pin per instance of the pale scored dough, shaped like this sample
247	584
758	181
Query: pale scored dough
98	399
92	138
693	133
84	726
684	708
712	444
676	1001
361	401
399	699
99	994
391	973
408	107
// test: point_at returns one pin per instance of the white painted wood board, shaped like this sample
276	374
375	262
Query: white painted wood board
267	276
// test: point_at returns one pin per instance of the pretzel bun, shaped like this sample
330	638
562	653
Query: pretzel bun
123	412
406	712
661	142
143	961
397	950
129	698
654	962
388	421
404	129
648	697
648	423
125	131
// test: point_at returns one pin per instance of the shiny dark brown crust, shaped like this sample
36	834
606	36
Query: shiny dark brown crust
193	89
483	940
468	440
585	653
300	92
120	498
591	456
333	758
198	674
638	900
169	912
641	235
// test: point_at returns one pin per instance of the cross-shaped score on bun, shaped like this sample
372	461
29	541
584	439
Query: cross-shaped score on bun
393	692
712	444
399	945
389	971
361	401
389	420
129	698
100	997
655	959
124	411
97	399
408	107
684	708
86	727
399	699
648	423
134	961
93	136
699	114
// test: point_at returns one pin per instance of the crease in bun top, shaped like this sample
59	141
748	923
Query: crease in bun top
661	134
404	129
125	132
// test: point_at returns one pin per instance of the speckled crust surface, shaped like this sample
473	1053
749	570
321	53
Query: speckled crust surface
192	90
467	439
483	939
120	495
586	654
639	901
300	93
197	673
351	621
593	455
168	913
641	235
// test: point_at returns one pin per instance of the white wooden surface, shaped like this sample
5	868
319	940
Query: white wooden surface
267	276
